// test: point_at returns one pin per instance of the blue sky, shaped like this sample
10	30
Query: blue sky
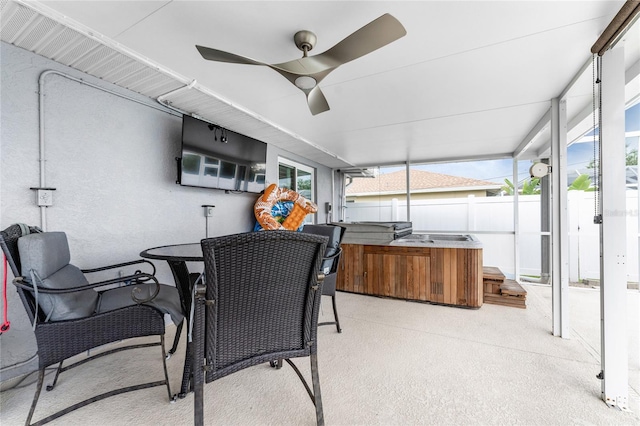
578	157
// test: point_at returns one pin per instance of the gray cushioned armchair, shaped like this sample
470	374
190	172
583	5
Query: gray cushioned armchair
70	317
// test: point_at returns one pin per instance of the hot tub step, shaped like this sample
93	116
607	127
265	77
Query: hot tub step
512	288
505	300
492	278
500	291
492	273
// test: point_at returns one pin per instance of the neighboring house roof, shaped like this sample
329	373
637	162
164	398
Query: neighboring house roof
421	181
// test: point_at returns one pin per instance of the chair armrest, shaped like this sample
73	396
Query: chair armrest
24	284
121	265
333	256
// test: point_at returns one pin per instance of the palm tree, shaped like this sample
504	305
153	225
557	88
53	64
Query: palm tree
529	187
581	183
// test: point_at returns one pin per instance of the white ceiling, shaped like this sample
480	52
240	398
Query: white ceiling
469	80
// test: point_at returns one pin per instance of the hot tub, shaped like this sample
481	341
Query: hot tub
439	240
436	268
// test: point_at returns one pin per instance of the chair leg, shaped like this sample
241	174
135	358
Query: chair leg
36	396
176	339
55	379
317	397
164	365
314	394
335	313
277	364
103	395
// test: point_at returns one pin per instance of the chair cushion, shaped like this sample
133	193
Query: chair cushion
47	254
335	235
167	301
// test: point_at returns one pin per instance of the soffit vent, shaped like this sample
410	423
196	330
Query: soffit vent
37	29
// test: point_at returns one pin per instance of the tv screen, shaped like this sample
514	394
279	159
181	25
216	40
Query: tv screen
221	159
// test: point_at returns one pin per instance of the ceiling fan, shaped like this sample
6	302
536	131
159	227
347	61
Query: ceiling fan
305	73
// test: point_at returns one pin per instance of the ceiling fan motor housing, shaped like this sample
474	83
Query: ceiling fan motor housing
305	40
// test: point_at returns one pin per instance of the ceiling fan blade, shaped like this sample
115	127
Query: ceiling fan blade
222	56
310	65
316	100
374	35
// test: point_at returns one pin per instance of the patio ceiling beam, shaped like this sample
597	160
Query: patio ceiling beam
575	78
533	134
581	122
632	72
440	160
628	12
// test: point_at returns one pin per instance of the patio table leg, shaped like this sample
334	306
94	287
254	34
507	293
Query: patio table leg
183	283
186	385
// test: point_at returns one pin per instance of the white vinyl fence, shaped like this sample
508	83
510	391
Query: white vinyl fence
491	220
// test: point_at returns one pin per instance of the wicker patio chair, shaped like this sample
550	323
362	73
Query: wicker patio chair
120	313
261	297
330	263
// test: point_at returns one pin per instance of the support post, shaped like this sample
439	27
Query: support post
613	280
516	222
408	171
560	229
545	226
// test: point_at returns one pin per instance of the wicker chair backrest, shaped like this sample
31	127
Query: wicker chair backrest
9	243
266	298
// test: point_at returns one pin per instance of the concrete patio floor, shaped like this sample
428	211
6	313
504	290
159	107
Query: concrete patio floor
396	363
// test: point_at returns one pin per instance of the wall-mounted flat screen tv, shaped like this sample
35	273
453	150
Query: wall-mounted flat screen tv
221	159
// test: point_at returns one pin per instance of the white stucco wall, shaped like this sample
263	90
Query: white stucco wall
112	162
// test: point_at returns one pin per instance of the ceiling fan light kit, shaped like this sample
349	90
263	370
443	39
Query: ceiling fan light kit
305	82
307	72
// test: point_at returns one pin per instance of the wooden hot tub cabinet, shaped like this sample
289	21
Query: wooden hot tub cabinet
451	276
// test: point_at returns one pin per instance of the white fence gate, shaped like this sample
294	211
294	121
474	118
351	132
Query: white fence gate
491	220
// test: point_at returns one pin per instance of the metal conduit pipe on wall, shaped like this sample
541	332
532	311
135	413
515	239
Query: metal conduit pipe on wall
42	140
162	99
43	178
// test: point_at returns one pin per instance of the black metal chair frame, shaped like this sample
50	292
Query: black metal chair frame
329	284
297	321
58	341
330	289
